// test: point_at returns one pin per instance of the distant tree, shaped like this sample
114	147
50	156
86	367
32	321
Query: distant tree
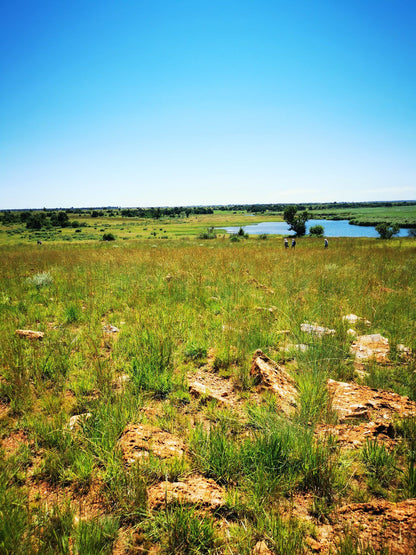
295	220
316	230
386	231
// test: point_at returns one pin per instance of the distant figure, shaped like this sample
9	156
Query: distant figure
326	243
286	243
39	242
293	243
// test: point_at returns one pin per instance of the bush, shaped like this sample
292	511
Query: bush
316	230
108	237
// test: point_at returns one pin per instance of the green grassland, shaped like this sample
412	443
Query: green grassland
176	302
405	216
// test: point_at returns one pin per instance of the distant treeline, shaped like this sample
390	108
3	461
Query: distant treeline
46	219
49	218
255	208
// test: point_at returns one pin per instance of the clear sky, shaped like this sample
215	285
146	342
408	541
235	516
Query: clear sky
182	102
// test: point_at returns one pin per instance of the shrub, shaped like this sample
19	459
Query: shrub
208	234
316	230
108	237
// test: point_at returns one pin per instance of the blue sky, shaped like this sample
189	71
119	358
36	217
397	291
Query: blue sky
173	102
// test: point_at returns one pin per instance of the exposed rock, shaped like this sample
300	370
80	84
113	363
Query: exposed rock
403	350
108	328
351	332
354	319
302	347
76	421
198	389
261	549
316	330
353	436
194	490
30	334
138	441
269	375
358	401
373	346
381	524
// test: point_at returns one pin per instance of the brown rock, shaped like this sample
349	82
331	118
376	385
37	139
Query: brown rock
193	490
138	441
373	346
358	401
30	334
269	375
261	549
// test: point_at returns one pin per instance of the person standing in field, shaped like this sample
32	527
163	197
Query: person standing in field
286	243
293	243
326	243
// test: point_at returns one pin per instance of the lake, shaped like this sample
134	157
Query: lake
333	228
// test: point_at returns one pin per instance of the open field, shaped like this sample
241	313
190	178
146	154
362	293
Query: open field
174	445
404	216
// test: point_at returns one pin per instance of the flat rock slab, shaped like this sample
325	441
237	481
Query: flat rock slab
140	440
30	334
193	490
209	386
270	376
358	401
373	346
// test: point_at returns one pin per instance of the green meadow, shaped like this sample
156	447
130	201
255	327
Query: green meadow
180	301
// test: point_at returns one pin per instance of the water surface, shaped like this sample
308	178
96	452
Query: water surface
332	228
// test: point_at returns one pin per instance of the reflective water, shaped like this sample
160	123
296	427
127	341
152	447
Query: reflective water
332	228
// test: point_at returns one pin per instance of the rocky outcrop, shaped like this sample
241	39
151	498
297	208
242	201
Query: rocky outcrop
140	440
268	375
193	490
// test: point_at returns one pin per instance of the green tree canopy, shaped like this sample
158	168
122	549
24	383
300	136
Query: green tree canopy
296	220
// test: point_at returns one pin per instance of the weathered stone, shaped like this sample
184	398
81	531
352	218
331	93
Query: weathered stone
138	441
358	401
261	549
193	490
108	328
316	330
354	319
269	375
30	334
373	346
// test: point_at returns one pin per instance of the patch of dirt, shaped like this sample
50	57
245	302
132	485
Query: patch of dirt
193	490
138	441
85	505
13	441
272	377
358	401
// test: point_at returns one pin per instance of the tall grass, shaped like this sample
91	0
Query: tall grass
174	303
